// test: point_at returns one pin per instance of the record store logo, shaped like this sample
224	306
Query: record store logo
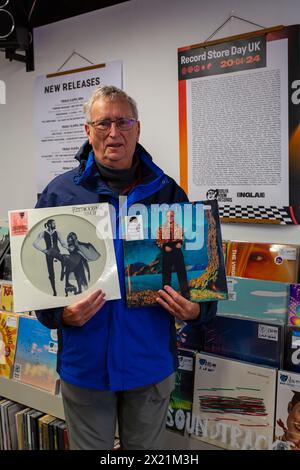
283	378
2	92
206	365
267	332
217	193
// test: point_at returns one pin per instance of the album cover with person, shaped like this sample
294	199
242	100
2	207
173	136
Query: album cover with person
61	254
266	261
287	430
176	244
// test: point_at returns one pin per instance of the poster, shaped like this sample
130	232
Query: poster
61	255
238	120
59	100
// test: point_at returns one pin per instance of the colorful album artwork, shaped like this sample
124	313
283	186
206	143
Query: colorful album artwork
61	253
287	430
179	415
234	403
178	245
267	261
35	359
8	340
7	296
294	305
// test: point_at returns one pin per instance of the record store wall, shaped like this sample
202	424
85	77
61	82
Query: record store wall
145	35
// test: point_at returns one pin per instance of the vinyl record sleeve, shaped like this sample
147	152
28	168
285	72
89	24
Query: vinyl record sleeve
256	299
294	305
234	403
176	244
4	240
265	261
36	354
245	340
287	430
179	414
61	254
8	341
292	349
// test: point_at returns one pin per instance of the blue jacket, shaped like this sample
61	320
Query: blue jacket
119	348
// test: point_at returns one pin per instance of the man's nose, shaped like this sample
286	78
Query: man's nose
114	130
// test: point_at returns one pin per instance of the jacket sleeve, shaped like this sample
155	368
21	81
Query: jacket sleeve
51	317
208	311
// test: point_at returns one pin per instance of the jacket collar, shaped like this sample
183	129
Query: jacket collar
88	176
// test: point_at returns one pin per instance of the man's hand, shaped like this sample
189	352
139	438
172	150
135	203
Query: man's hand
177	305
82	311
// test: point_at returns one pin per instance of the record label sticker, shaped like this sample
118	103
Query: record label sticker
134	227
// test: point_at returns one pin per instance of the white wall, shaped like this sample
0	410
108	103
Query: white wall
145	34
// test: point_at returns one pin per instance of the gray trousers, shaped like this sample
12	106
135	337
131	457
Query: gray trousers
91	416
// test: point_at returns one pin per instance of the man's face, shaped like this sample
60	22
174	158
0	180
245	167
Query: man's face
113	148
52	225
293	423
170	216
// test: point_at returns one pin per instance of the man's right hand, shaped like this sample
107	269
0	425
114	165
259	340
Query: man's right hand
82	311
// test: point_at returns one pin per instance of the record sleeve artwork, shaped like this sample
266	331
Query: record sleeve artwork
59	253
178	245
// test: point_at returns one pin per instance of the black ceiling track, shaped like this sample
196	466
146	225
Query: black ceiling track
19	17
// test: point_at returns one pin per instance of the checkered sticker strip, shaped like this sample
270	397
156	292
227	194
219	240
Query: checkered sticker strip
272	214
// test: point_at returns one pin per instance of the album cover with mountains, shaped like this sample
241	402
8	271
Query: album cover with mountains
178	245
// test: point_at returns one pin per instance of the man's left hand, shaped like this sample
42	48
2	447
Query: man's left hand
177	305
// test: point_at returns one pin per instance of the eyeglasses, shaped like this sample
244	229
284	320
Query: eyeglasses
123	124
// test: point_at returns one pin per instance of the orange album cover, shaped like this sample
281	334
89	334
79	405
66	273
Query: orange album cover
8	341
267	261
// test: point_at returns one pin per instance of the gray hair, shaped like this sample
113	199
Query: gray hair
110	92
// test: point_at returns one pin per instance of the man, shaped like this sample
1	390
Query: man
47	242
80	254
170	239
116	362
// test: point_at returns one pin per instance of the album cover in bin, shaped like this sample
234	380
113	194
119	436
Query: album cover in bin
61	254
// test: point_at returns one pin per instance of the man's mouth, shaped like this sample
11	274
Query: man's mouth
114	146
